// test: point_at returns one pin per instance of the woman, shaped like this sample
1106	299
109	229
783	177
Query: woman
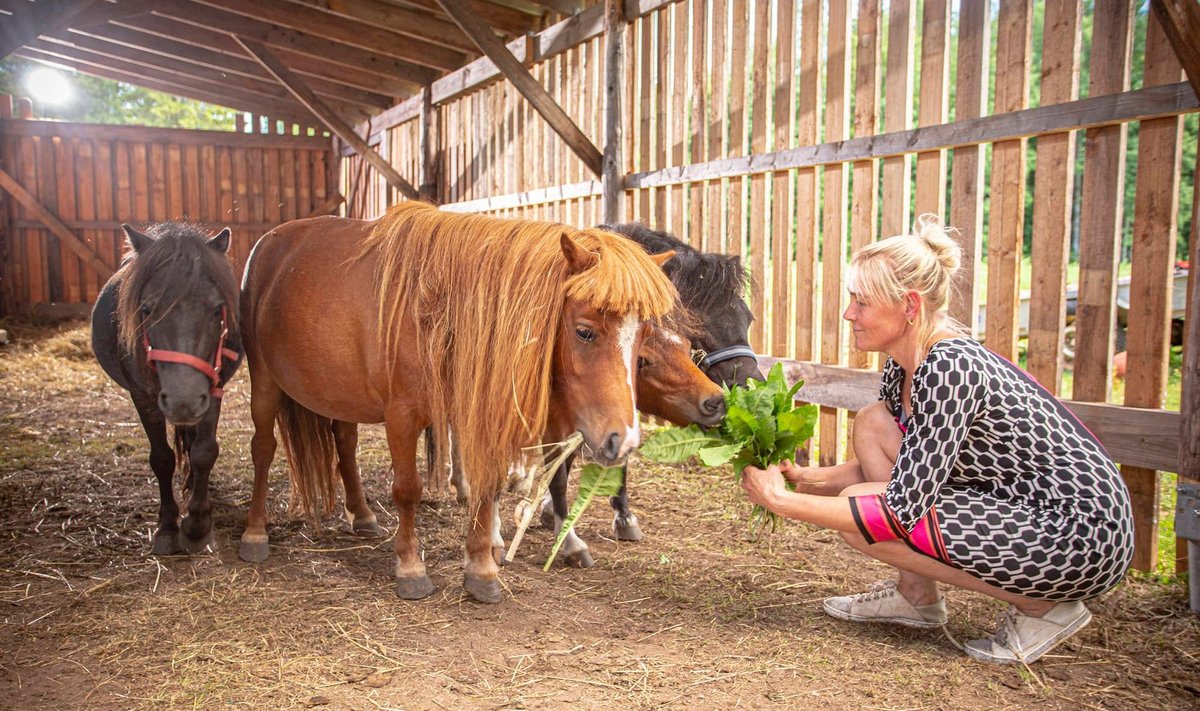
968	472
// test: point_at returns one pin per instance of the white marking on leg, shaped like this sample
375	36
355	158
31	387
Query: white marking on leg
572	544
625	341
497	539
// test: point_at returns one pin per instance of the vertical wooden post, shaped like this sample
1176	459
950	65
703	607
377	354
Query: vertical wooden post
699	128
1189	434
935	79
902	16
760	220
430	153
806	178
714	200
864	223
781	183
611	177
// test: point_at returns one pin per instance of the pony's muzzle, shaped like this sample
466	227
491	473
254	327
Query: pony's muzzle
617	446
713	409
183	410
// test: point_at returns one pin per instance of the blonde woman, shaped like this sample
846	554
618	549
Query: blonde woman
968	472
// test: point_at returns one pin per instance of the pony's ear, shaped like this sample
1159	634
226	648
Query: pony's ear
136	239
578	258
663	258
221	241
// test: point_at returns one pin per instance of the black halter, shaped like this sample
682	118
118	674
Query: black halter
707	360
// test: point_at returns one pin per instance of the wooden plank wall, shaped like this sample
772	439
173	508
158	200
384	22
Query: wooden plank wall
96	177
708	80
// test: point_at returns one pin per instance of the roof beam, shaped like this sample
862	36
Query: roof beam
1180	19
529	87
101	12
414	23
184	33
179	87
339	29
275	36
32	19
331	120
502	19
188	59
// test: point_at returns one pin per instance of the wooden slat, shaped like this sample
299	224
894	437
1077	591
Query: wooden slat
902	23
1132	436
1180	21
662	59
697	122
1156	203
1154	102
864	221
1189	426
679	93
966	192
524	82
47	187
104	180
1102	206
807	107
32	19
644	64
85	209
833	225
930	194
65	177
398	19
736	188
1053	184
1006	216
305	96
760	219
715	127
30	203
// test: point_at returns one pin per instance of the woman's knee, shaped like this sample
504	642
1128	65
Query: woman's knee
866	488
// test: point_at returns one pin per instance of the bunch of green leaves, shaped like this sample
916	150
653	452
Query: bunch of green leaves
762	427
594	481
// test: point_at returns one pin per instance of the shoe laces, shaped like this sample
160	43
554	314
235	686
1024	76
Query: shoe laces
1007	630
876	591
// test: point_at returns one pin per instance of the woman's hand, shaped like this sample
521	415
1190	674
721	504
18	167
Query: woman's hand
763	486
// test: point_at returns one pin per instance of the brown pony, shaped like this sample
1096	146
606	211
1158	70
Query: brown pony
425	318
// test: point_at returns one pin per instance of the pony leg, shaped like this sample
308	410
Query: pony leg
574	550
358	513
412	582
196	528
162	462
625	524
497	539
265	396
480	572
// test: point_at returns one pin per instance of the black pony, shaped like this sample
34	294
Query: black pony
165	328
712	287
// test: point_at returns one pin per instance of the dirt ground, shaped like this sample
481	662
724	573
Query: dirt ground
698	615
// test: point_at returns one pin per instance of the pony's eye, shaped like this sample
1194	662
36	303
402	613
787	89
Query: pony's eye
146	309
585	334
643	363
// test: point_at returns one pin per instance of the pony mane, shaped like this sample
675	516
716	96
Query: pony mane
705	280
181	255
486	295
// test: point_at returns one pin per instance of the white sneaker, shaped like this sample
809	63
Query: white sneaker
882	602
1021	638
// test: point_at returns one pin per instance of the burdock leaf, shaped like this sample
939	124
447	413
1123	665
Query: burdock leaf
672	444
594	480
739	423
716	456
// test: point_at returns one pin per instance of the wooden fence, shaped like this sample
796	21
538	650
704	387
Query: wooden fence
68	187
791	132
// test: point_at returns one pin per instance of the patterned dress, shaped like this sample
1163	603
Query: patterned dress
997	478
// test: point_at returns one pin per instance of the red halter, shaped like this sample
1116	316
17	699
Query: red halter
212	370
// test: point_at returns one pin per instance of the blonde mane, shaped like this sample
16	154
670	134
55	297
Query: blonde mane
487	296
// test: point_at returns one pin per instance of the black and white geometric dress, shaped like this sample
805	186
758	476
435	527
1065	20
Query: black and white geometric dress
996	477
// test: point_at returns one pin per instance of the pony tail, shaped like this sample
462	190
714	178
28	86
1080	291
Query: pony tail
310	447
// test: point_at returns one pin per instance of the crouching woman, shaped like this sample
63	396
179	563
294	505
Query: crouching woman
967	472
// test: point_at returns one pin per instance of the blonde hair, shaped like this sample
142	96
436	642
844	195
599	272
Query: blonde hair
924	261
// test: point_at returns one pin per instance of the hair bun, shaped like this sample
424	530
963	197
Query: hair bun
931	231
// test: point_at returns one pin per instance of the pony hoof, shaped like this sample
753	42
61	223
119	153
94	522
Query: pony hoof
165	544
367	528
627	531
414	588
487	591
581	559
254	551
195	545
547	517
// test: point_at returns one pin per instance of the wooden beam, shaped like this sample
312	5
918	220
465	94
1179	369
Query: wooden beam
177	86
503	19
1180	20
429	148
152	134
179	31
540	196
331	120
355	33
1153	102
529	87
101	12
614	53
32	19
1189	432
275	36
30	203
401	20
1132	436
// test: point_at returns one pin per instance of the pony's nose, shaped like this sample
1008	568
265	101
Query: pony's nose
612	446
183	410
713	406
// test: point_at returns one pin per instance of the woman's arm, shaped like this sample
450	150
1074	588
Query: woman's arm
765	487
825	481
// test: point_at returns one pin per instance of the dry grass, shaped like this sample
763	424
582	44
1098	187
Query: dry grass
699	615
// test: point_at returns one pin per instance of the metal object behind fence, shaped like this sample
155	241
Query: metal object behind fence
1187	525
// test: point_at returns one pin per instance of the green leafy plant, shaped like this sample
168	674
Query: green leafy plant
594	481
762	427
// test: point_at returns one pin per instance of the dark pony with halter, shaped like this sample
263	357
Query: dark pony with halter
165	328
